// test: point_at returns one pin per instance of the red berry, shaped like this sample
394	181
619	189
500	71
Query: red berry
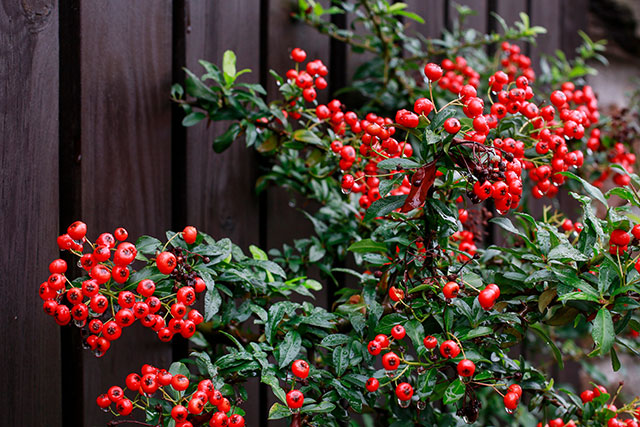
390	361
120	234
189	234
298	54
295	399
103	401
404	391
146	287
450	290
179	413
433	71
77	230
449	349
511	400
398	332
236	420
383	340
115	393
395	294
179	382
58	266
620	237
452	125
466	368
587	396
430	342
124	407
373	347
487	298
166	262
300	369
372	385
515	388
219	419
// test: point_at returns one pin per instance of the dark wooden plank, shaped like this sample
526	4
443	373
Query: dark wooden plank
479	21
575	15
220	188
126	154
546	13
433	12
509	10
30	361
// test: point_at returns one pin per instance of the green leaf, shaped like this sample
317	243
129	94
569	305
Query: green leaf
454	392
398	163
276	313
590	189
566	252
148	245
320	408
340	360
314	285
545	298
229	66
212	303
278	411
507	225
554	349
289	348
193	118
225	140
272	381
615	362
367	246
410	15
383	206
334	340
602	332
305	135
415	330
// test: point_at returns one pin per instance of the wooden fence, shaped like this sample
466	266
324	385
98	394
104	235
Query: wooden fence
89	133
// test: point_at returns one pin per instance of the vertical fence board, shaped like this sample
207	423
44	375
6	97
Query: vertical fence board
509	10
545	13
433	12
126	148
479	21
30	340
220	188
571	23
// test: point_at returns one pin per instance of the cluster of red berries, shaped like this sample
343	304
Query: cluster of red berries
452	76
619	240
514	63
309	79
204	401
295	398
512	397
465	237
588	395
108	266
621	155
570	226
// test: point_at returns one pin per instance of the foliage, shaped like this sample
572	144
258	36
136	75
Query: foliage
393	200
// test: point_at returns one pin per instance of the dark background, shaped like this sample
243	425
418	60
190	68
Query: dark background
89	132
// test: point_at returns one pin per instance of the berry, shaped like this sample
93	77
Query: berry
120	234
450	290
295	399
430	342
511	400
236	420
466	368
404	391
452	125
383	340
515	388
166	262
395	294
487	298
189	234
179	413
124	407
433	71
390	361
77	230
372	385
619	237
179	382
398	332
300	369
449	349
374	348
587	396
298	54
